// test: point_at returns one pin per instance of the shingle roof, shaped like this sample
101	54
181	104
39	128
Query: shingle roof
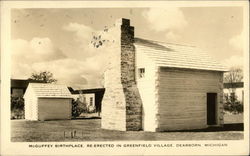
50	90
178	56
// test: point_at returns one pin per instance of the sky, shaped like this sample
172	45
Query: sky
58	40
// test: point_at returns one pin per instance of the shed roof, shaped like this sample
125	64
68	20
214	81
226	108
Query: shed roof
234	85
176	55
50	90
92	90
19	83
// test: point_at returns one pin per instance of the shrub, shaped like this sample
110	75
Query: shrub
17	108
232	104
78	108
17	114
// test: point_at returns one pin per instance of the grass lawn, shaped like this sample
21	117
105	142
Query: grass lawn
231	118
89	130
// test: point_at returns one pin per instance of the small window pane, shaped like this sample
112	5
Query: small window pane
91	101
141	72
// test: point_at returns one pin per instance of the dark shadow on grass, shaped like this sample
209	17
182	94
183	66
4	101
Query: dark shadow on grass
86	118
225	127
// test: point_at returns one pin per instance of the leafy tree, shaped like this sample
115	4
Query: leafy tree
77	108
17	103
17	108
45	76
102	38
231	104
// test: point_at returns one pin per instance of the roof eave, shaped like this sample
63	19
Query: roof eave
205	69
54	97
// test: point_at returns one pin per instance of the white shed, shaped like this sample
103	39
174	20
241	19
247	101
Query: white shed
47	102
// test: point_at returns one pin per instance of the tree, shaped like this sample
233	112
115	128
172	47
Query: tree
17	108
102	38
45	76
234	75
231	78
76	111
233	105
78	107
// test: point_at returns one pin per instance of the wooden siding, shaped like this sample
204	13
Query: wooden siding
182	98
30	105
54	108
146	87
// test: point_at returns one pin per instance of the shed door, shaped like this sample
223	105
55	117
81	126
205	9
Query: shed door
211	108
54	108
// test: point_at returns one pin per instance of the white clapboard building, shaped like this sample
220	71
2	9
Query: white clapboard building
45	101
157	86
88	99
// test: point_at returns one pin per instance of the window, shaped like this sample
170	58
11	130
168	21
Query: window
141	72
91	101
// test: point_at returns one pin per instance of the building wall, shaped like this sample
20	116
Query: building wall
17	92
147	90
90	100
86	98
54	108
30	105
183	98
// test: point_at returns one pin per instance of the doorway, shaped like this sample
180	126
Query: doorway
211	108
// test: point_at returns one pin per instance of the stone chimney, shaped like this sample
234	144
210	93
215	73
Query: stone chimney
121	105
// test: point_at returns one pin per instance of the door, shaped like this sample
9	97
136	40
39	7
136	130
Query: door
211	108
54	108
